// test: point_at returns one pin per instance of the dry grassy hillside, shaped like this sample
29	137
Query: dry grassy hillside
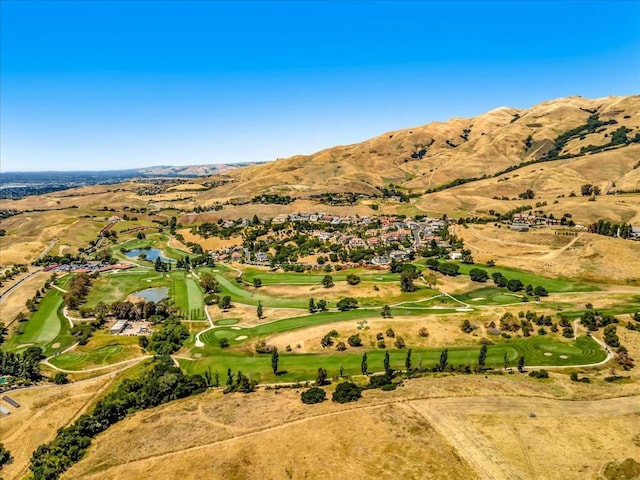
431	155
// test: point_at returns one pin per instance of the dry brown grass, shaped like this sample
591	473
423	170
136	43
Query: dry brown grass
247	315
211	243
412	432
43	410
590	257
14	303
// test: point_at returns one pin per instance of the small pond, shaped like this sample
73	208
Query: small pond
151	253
153	294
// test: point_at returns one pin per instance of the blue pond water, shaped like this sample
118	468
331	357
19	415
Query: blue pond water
153	294
151	253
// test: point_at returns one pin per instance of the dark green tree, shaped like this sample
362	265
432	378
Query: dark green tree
364	368
482	358
259	310
444	360
521	364
386	311
275	358
321	379
387	362
407	361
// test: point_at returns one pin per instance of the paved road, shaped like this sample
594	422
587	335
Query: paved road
17	284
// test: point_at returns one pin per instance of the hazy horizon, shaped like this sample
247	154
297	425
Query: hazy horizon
98	86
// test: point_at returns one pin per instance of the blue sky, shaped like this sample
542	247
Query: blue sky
106	85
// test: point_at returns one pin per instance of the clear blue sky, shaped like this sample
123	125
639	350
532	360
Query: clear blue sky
106	85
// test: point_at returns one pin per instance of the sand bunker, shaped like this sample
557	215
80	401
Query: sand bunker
564	357
241	337
236	328
547	354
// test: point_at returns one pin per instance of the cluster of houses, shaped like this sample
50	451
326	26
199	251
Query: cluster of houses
87	267
410	234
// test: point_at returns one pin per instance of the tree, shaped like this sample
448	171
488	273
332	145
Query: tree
444	360
387	362
478	275
521	364
327	281
466	256
257	283
364	368
321	379
407	361
346	392
482	358
353	279
399	343
225	302
514	285
229	377
540	291
5	455
312	306
348	303
259	310
431	280
466	326
406	282
274	360
506	360
354	340
313	395
60	378
143	341
423	332
386	311
322	305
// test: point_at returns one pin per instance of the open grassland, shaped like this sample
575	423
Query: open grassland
412	431
292	278
43	410
14	302
589	257
300	367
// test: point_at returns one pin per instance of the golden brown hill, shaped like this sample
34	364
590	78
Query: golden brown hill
431	155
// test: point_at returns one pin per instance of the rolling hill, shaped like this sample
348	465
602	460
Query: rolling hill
576	132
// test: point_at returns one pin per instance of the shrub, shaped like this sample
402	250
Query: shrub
341	347
354	341
346	392
423	332
313	395
539	374
353	279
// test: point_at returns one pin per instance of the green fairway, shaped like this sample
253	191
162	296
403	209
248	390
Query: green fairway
45	328
552	285
304	366
187	295
113	287
489	296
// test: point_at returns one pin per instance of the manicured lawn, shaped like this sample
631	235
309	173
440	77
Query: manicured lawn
489	296
304	366
103	349
552	285
187	295
113	287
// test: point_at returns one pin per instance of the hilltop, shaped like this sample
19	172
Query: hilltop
577	131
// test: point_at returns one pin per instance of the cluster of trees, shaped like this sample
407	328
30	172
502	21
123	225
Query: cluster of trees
446	268
5	456
77	290
142	310
239	383
24	367
9	273
319	306
478	275
593	123
273	198
516	285
159	383
167	339
327	340
611	229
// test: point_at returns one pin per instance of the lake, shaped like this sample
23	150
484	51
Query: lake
153	294
151	253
